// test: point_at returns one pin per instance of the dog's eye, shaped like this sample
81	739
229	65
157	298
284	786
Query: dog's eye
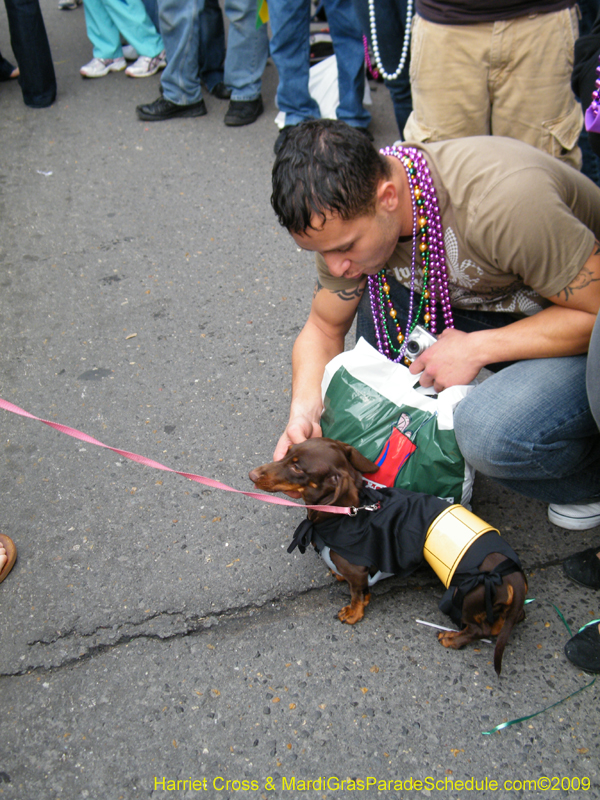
295	468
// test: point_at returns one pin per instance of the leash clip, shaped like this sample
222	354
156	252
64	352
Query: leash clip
354	510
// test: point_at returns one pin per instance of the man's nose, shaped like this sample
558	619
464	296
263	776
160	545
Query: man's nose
337	264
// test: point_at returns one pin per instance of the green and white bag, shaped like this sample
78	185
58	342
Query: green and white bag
379	407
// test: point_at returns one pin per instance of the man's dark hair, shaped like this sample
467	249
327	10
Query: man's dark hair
325	166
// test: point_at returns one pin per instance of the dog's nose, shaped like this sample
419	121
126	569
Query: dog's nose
253	475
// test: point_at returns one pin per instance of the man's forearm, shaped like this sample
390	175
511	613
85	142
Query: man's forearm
312	352
555	331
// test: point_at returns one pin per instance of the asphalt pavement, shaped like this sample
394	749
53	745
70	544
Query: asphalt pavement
156	639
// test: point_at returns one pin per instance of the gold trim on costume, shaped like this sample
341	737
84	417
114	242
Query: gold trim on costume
449	537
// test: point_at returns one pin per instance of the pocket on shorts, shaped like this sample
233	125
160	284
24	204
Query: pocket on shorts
563	132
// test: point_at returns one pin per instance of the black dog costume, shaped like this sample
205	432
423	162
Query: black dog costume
390	534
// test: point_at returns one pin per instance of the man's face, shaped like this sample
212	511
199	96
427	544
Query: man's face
352	248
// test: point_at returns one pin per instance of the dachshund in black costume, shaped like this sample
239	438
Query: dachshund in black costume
388	532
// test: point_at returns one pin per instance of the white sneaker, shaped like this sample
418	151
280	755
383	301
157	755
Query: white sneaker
581	517
146	66
99	67
130	53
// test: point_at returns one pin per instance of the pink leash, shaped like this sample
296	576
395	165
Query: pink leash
147	462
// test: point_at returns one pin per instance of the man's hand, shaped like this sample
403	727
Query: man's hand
298	429
453	360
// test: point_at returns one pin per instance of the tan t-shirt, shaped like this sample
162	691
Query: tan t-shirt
518	224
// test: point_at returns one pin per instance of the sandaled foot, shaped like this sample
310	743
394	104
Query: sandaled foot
8	72
8	555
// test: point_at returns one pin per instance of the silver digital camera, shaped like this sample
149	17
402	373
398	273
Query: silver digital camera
419	340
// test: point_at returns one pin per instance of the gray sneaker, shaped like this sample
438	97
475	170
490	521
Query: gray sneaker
99	67
145	66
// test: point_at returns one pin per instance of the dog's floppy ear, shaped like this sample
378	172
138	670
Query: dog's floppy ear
336	485
360	462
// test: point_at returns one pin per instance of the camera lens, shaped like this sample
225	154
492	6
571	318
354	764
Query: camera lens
413	348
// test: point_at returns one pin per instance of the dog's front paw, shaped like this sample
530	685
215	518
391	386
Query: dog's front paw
351	615
354	612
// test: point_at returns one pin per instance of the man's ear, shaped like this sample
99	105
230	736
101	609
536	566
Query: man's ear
387	195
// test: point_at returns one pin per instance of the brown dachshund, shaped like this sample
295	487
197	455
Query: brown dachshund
328	472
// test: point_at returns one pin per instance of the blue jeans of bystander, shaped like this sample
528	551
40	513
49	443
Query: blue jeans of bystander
290	51
212	44
180	30
247	50
245	60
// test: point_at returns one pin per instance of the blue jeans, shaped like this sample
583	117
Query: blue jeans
152	11
529	426
247	51
212	44
290	51
32	50
211	55
390	22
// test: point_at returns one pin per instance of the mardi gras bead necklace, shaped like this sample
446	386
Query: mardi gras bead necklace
428	253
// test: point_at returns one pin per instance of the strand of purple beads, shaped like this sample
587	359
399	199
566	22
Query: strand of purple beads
427	224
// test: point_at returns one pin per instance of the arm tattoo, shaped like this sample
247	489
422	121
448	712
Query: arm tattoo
351	294
582	281
344	294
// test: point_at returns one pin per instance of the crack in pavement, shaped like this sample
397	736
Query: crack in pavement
50	655
71	647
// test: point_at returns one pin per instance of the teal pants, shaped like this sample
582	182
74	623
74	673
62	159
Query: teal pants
106	19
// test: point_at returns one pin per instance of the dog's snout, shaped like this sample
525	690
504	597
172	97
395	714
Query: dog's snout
254	474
